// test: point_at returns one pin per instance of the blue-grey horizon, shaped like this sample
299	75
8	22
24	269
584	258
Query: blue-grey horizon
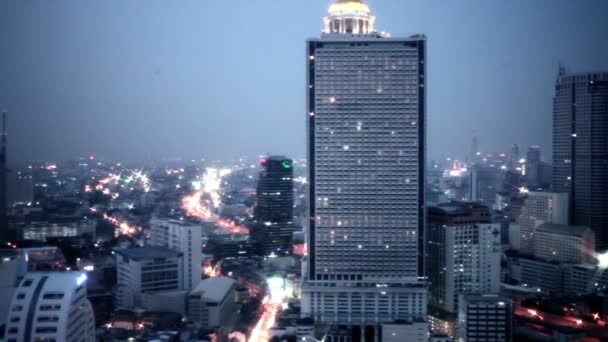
140	80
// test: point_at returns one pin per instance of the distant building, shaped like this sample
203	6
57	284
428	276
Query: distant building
185	238
483	184
51	307
485	318
56	227
212	302
539	208
535	273
273	209
9	269
20	188
580	148
143	270
463	253
563	243
411	331
39	258
514	156
533	169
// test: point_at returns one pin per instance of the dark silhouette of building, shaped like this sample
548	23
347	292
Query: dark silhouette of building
4	233
533	167
273	211
580	148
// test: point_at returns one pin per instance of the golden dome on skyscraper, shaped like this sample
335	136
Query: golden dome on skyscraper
348	6
349	17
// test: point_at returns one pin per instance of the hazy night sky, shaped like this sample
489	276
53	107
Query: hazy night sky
137	79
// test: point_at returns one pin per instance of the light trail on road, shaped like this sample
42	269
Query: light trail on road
210	186
261	331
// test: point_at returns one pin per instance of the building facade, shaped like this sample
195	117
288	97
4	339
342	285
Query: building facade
580	148
563	243
146	270
539	208
185	238
366	160
463	253
483	183
273	211
212	302
51	307
485	318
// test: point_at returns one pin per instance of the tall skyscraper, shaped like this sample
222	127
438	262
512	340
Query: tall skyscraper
273	210
4	234
463	253
51	307
366	160
580	148
185	238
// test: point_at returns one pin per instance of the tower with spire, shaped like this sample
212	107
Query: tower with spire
366	155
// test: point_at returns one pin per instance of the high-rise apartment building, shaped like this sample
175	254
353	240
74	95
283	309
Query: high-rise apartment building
273	211
51	306
463	253
185	238
539	208
580	148
366	160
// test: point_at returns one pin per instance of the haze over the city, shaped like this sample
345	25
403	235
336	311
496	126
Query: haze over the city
139	79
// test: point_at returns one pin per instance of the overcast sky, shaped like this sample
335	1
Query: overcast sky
140	79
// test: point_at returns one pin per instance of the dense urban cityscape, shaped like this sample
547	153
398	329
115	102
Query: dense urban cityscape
365	238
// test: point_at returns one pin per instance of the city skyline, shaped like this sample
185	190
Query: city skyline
76	87
336	171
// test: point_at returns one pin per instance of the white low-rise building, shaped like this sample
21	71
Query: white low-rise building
51	306
212	302
146	270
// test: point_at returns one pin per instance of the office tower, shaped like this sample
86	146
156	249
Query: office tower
51	307
463	253
484	184
539	208
4	233
533	167
564	243
580	148
182	237
212	302
146	270
513	157
485	318
366	160
273	211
